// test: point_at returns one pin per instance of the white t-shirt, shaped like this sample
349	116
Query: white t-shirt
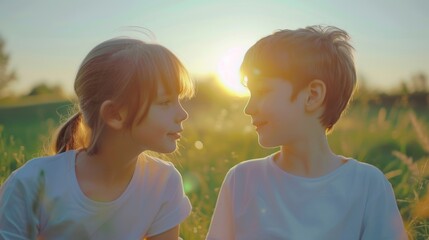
258	200
43	198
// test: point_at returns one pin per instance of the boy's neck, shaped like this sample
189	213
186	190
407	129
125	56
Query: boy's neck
311	159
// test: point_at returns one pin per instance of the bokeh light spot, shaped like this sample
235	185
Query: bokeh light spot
198	145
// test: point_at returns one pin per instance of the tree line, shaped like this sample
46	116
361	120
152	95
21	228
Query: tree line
412	92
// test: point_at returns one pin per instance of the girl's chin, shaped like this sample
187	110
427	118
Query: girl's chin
168	149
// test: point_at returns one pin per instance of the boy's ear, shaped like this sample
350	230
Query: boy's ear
112	115
316	95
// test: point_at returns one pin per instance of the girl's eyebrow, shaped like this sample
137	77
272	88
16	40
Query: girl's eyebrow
162	97
162	93
166	95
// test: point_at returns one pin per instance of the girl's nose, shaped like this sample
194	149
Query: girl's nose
182	115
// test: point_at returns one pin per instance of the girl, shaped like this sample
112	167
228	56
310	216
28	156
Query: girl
99	185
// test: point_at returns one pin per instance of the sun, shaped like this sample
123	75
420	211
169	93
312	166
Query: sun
228	71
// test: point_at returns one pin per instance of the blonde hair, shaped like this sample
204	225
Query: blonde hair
302	55
126	71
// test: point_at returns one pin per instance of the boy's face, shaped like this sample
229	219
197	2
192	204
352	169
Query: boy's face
278	120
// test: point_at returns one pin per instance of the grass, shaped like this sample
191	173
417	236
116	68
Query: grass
219	136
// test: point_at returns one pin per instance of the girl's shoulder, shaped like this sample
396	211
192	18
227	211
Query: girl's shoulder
155	162
156	166
158	173
37	172
43	165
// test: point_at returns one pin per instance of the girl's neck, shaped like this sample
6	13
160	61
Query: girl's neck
115	158
103	177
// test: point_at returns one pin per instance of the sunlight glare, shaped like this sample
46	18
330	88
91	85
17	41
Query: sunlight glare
228	71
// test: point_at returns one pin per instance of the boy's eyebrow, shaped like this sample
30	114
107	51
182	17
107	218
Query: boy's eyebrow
256	85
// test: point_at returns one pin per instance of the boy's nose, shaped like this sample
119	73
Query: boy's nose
250	108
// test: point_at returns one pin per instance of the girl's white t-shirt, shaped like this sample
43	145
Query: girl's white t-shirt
258	200
43	198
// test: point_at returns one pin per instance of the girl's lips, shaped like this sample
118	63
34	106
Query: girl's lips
176	135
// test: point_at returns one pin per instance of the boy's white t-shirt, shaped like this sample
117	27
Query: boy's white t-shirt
43	198
258	200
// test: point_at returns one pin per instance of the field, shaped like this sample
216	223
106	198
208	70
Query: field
218	135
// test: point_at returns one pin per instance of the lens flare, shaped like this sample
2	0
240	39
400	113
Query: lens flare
228	71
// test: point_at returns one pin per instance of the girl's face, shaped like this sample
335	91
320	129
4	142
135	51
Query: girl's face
162	126
279	121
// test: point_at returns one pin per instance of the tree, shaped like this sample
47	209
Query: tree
6	76
44	89
420	82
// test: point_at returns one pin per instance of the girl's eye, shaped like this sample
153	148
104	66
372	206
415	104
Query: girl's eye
165	102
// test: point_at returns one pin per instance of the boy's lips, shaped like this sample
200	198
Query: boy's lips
259	124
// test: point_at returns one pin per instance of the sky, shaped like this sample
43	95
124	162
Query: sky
48	39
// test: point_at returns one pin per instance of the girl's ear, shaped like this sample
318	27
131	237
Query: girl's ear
112	115
316	95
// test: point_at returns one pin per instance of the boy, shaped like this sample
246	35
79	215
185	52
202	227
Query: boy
300	82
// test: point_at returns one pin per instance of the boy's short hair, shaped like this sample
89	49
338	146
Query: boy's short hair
302	55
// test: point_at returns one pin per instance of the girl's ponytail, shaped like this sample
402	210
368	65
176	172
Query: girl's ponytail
71	135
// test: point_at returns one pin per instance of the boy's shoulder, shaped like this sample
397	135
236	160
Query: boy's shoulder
364	171
365	176
254	163
251	166
368	170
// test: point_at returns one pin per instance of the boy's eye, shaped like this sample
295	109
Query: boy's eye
259	92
